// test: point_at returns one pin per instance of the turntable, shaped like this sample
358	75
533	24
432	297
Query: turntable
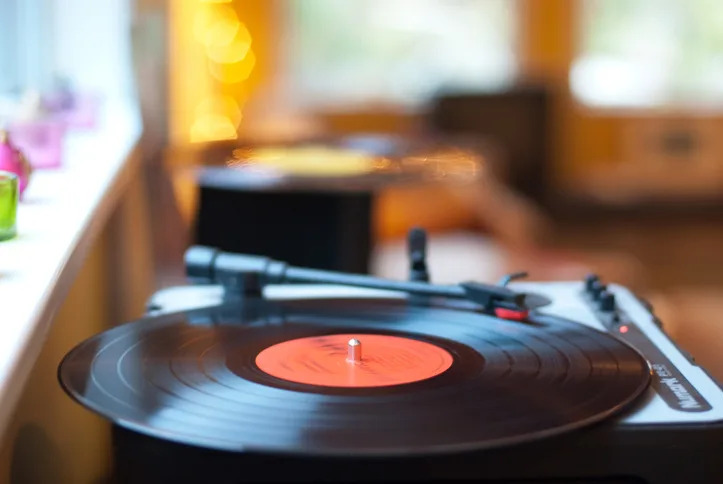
267	372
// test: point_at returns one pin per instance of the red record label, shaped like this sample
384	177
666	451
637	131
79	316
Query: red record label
354	360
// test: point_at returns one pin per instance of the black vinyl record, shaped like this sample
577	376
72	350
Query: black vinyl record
193	378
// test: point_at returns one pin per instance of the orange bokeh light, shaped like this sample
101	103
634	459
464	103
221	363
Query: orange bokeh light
233	52
233	73
212	127
215	25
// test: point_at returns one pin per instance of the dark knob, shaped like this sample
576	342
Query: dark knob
596	288
606	301
417	251
590	279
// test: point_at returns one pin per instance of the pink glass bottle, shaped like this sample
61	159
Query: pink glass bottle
12	160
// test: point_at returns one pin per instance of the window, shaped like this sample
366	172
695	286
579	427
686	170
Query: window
25	28
650	53
87	42
397	51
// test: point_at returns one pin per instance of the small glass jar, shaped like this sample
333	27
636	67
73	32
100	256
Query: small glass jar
8	204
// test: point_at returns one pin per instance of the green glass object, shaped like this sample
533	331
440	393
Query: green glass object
8	204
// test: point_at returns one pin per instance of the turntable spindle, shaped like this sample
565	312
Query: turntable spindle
354	352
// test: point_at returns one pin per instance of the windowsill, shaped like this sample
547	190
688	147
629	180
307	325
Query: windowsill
59	218
648	112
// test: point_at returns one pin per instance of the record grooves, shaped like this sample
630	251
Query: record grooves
182	378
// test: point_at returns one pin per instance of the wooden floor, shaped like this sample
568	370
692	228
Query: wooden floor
676	251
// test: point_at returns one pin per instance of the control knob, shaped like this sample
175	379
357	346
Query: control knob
606	301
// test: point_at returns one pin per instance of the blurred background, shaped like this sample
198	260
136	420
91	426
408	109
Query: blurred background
602	123
598	125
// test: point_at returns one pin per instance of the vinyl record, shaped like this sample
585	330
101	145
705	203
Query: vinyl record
281	378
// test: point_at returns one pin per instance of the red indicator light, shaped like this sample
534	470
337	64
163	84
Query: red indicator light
512	314
623	329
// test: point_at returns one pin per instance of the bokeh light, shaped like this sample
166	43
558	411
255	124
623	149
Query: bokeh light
310	160
219	105
212	127
215	25
226	46
235	72
234	51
